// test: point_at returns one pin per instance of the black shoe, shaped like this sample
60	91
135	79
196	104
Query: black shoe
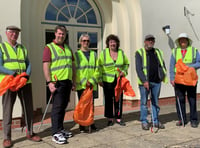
159	125
121	123
179	123
145	126
82	129
93	127
194	124
110	123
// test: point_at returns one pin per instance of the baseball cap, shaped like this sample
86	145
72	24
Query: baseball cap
149	36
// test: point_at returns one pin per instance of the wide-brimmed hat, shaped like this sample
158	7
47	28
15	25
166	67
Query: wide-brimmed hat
13	28
183	35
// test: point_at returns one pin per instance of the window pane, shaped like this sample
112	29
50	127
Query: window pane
91	17
93	39
66	11
78	13
58	3
72	2
62	18
51	13
83	4
82	20
72	9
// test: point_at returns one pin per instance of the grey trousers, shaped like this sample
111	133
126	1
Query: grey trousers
25	95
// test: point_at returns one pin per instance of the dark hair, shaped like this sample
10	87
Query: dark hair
61	27
112	37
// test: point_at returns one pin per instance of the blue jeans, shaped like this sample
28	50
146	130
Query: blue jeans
154	90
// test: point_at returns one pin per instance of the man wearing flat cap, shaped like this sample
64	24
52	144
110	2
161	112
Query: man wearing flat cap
150	68
191	59
14	61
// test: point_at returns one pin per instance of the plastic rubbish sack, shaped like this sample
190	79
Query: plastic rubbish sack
123	85
18	82
83	113
5	84
185	75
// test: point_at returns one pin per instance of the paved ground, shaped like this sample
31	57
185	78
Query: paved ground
130	136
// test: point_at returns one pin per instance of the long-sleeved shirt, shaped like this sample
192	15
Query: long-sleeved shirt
196	65
10	72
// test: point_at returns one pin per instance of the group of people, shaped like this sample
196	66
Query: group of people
65	71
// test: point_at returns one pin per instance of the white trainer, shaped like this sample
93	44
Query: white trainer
59	138
66	134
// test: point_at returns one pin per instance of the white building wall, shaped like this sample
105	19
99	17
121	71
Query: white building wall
158	13
10	14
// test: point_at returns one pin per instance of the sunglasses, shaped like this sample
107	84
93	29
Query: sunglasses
86	41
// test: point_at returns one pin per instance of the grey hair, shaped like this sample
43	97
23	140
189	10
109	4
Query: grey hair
83	35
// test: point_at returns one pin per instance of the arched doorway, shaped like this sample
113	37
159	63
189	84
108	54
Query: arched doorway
79	16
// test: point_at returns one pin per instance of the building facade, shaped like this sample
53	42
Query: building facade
131	20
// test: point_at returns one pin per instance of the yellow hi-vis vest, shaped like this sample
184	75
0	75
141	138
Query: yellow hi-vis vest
61	62
108	68
12	60
189	58
85	70
159	54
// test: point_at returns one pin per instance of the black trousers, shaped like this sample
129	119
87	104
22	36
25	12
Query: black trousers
60	101
180	92
109	93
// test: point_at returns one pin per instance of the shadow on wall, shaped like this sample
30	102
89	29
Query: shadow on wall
170	42
0	39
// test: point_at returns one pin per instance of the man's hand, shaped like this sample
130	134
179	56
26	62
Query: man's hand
172	83
52	87
146	85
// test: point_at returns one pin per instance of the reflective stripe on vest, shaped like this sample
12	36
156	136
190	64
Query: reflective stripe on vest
12	60
110	67
61	62
189	58
85	69
142	53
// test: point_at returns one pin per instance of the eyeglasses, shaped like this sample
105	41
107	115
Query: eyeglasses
86	41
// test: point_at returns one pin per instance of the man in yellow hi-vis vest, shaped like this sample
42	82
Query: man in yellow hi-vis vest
59	72
150	68
13	61
190	56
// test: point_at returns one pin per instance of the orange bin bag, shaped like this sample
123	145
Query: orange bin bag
123	85
16	81
190	77
181	68
83	113
5	84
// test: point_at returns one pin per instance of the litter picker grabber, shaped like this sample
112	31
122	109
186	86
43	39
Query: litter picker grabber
180	110
41	122
120	98
152	117
25	114
45	112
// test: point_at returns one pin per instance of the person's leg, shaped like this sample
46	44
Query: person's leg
25	95
155	92
191	95
60	102
8	101
180	91
109	95
143	104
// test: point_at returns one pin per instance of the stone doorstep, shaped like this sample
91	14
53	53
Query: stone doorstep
132	104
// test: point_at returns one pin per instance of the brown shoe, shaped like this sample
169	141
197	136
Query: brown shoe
7	143
34	137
